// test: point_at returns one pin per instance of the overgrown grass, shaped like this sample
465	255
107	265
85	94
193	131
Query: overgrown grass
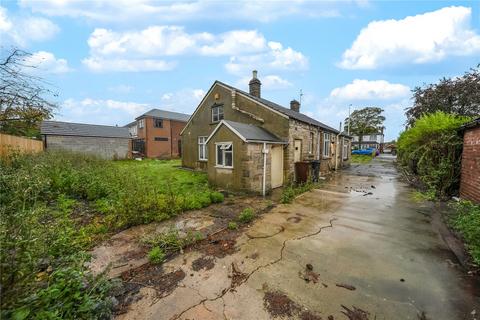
56	205
419	196
246	215
361	158
466	220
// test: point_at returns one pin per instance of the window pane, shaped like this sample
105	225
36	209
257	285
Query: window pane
228	158
219	155
220	113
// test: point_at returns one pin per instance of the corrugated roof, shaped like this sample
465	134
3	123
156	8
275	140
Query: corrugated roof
286	111
157	113
253	133
82	129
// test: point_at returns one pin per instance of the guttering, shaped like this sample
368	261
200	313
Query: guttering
264	151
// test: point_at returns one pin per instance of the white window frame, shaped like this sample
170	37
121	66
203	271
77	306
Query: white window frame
345	152
202	145
326	145
223	146
311	142
141	123
217	114
373	137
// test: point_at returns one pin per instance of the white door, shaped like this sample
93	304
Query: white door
277	166
298	151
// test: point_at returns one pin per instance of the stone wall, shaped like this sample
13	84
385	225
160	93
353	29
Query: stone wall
107	148
252	168
299	131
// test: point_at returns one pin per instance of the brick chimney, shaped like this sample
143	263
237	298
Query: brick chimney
255	85
295	105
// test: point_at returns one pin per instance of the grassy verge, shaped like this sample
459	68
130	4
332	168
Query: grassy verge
55	205
466	221
361	158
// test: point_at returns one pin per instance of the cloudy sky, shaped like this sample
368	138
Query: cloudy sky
110	61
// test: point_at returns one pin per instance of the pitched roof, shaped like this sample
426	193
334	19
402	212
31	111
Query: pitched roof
157	113
248	132
82	129
472	124
286	111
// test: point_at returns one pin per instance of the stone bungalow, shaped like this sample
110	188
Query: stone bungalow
248	143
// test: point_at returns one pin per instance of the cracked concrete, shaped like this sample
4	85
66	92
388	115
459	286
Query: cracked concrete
361	230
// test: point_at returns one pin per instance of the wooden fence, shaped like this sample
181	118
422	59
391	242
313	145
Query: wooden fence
9	143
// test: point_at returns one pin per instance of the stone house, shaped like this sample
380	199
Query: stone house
156	133
248	143
470	171
107	142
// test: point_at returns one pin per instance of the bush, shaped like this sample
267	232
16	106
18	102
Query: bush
216	197
466	220
156	255
431	150
246	215
232	225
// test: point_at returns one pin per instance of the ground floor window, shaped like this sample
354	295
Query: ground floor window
224	154
326	145
345	149
202	148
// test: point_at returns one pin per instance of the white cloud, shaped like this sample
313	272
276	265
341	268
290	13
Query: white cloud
276	57
140	10
21	31
121	89
423	38
269	82
185	100
45	62
153	47
100	111
370	90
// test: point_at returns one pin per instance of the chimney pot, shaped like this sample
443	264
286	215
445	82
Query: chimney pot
255	85
295	105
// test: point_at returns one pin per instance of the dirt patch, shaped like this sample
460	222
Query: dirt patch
294	219
309	275
154	277
205	263
219	244
237	276
355	313
279	304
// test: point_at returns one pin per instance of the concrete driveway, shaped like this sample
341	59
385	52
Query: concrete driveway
359	248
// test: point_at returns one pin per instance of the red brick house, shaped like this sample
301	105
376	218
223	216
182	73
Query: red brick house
156	133
470	178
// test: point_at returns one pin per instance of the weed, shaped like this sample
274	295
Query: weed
466	220
232	225
419	196
291	191
216	197
156	255
246	215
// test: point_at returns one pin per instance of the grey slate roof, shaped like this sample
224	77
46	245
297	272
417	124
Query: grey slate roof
82	129
286	111
472	124
253	133
157	113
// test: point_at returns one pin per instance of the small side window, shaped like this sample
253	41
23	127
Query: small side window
158	123
217	113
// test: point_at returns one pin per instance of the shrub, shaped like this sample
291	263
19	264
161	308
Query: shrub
431	150
216	197
232	225
156	255
466	220
246	215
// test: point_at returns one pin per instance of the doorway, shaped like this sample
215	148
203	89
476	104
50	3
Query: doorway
277	166
297	154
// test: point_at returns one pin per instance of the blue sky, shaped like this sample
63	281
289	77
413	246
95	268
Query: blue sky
110	61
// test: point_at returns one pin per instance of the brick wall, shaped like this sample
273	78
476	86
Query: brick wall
168	136
107	148
470	180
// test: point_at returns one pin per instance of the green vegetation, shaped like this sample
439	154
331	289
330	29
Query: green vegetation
216	197
361	158
431	151
291	191
466	220
56	205
419	196
232	225
246	215
171	241
156	255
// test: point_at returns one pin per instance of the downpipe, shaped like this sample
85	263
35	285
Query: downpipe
264	151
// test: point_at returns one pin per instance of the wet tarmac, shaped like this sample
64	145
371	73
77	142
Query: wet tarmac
359	248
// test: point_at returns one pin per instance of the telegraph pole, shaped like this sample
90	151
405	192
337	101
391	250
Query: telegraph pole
349	118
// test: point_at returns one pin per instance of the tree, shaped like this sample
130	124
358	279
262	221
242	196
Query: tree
365	121
24	97
457	96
